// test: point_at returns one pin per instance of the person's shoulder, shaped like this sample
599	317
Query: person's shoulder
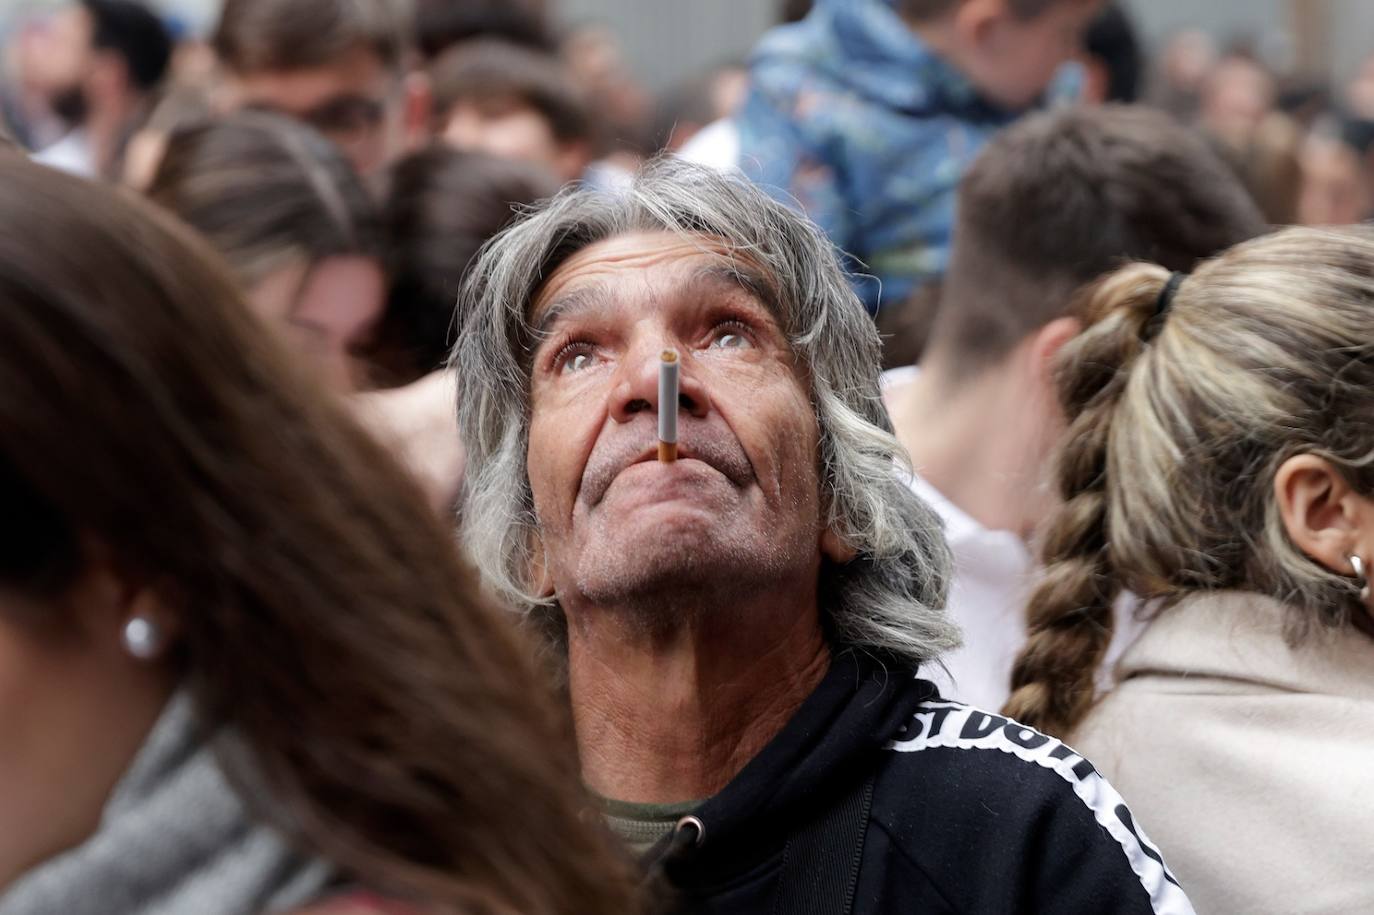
987	750
962	781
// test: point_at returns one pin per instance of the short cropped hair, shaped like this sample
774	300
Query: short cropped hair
266	35
1063	197
135	34
499	70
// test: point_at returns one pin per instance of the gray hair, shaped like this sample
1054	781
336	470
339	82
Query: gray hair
891	597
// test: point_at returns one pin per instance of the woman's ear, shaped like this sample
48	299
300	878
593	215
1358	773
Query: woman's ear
1323	515
132	612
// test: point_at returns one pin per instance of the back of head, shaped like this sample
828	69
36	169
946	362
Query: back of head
257	36
1061	198
132	31
322	612
266	191
494	71
1182	411
442	206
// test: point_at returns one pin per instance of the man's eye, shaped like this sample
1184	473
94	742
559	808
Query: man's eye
574	358
730	336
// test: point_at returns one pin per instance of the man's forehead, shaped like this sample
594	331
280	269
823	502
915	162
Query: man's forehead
667	255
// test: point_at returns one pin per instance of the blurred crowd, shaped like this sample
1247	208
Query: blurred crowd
453	116
977	315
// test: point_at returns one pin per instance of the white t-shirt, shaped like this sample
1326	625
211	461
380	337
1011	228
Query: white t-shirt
72	154
716	146
994	573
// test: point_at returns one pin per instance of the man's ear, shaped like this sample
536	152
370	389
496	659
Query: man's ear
834	547
975	21
419	105
541	582
1048	341
1321	512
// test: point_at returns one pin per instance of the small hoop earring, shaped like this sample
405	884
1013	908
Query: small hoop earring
1361	579
142	638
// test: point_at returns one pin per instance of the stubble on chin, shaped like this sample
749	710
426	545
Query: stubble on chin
658	582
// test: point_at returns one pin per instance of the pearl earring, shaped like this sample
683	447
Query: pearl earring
1357	564
142	638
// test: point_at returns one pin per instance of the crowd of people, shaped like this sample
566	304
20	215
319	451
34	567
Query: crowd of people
1011	553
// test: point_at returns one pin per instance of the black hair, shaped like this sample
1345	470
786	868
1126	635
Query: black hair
794	10
136	34
1112	39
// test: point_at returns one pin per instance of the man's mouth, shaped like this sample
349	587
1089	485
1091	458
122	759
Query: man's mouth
729	462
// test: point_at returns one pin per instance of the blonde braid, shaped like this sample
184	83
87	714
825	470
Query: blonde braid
1070	612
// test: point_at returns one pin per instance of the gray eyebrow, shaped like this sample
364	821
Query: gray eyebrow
582	299
752	282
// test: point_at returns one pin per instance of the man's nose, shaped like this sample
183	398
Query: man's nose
636	388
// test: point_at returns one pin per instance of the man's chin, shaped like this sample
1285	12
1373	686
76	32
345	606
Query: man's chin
680	559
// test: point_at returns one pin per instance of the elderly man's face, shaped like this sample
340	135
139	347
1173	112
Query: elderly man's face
741	505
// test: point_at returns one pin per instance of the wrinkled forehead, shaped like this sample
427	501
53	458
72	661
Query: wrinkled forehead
661	265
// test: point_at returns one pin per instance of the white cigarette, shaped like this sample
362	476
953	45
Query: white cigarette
668	367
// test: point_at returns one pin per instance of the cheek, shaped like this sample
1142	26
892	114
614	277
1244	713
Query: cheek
554	462
777	427
73	712
47	781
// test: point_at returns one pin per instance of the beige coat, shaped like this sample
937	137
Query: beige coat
1250	763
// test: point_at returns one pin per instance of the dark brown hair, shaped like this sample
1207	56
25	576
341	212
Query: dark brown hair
489	69
266	35
442	205
266	191
1061	198
392	713
441	24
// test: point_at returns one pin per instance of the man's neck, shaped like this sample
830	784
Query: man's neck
670	717
976	442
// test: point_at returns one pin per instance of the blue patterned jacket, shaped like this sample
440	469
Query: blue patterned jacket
851	117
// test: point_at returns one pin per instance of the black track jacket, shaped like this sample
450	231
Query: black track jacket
968	813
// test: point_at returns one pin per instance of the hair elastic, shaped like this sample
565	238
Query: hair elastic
1166	295
1162	305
